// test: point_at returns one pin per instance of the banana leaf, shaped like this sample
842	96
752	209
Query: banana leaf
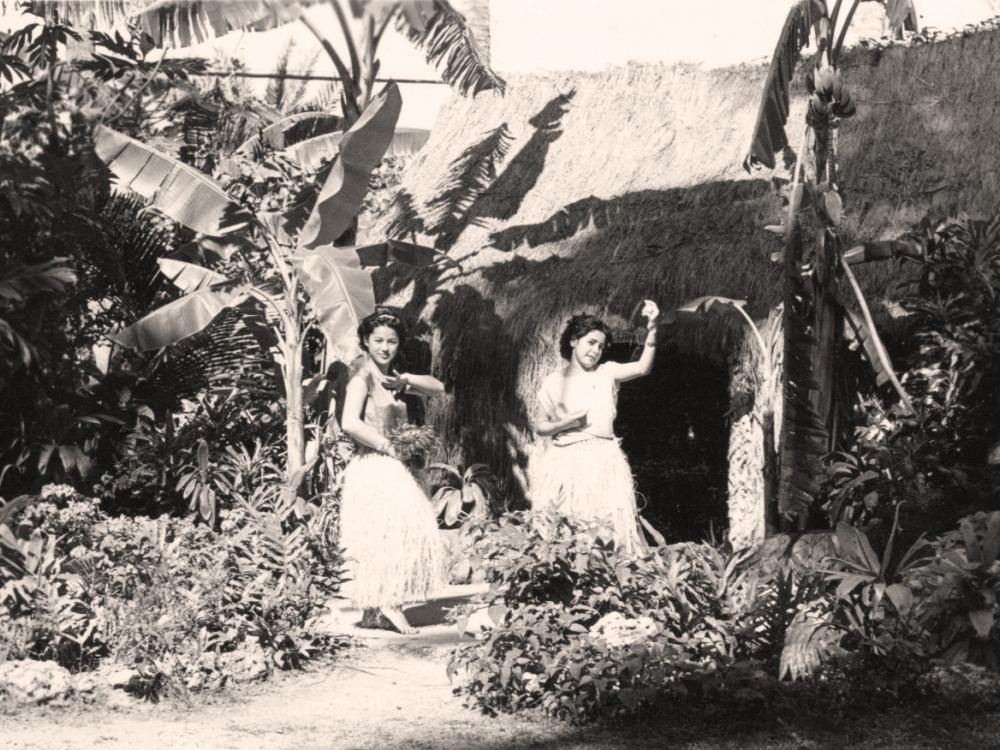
188	277
864	326
181	192
361	150
804	437
292	130
181	318
884	250
172	23
769	136
449	45
710	304
310	154
384	253
340	292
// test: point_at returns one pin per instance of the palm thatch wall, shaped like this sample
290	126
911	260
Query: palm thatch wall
588	192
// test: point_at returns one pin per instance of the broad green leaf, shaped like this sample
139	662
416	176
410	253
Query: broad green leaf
188	277
972	550
383	253
900	596
884	250
850	582
180	191
447	468
991	542
289	131
340	292
453	508
769	136
179	319
982	620
204	250
311	154
173	23
710	304
7	510
856	548
361	151
873	342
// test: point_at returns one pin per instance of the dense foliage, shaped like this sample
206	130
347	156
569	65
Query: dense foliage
939	460
185	607
581	632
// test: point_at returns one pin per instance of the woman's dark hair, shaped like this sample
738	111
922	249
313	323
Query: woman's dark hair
578	327
383	316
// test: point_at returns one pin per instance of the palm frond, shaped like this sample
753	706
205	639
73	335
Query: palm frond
226	355
123	255
811	639
450	45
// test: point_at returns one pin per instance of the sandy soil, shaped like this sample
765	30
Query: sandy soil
391	691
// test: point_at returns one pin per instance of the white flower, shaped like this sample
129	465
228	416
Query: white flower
57	490
618	630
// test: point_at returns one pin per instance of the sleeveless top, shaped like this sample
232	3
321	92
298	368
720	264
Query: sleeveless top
595	392
380	410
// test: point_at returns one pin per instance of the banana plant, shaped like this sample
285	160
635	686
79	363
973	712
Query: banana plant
813	317
433	25
307	282
470	499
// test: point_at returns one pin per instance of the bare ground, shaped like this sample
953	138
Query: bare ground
392	691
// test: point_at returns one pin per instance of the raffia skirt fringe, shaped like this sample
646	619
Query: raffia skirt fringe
590	480
394	551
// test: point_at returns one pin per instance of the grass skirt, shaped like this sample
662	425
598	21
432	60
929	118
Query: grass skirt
590	480
394	551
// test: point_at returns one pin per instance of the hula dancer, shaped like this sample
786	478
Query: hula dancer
387	525
584	473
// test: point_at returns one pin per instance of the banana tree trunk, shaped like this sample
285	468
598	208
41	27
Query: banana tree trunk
828	324
294	425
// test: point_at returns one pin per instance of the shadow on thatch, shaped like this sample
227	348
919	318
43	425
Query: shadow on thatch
645	220
480	361
505	196
469	177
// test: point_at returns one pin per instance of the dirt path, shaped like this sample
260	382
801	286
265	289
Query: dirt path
391	691
385	694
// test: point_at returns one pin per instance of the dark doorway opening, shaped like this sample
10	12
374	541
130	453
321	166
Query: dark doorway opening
675	432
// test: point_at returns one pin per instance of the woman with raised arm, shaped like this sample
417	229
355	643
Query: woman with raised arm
584	473
387	526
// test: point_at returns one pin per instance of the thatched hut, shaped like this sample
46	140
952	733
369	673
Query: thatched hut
589	192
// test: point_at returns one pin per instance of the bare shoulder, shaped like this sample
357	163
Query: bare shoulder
362	380
611	369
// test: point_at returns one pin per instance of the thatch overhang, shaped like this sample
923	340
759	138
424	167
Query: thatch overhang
587	192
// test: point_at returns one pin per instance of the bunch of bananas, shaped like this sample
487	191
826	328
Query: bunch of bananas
828	97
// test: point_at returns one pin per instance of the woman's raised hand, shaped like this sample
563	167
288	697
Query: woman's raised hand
651	312
395	382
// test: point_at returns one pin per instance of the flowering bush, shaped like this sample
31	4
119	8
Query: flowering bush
582	631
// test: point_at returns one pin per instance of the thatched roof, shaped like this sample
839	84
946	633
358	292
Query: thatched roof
590	191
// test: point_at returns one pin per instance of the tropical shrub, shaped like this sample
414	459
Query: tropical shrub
581	631
957	593
185	607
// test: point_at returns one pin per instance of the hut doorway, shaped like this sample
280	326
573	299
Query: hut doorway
675	432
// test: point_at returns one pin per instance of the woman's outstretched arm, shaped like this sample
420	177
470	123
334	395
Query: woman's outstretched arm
644	365
426	385
354	425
